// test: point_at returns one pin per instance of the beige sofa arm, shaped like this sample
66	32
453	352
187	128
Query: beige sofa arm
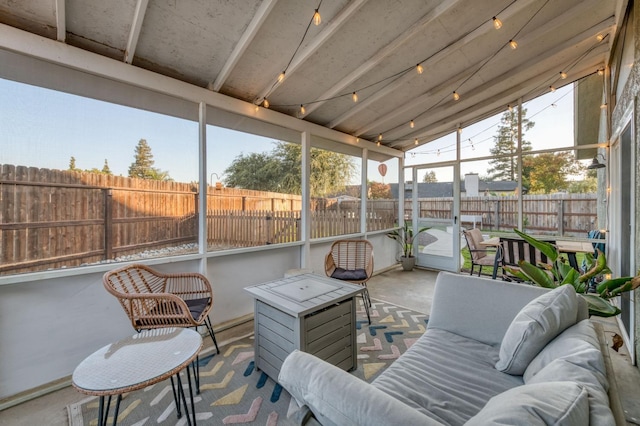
338	398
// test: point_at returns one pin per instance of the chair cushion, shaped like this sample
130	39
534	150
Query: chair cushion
537	323
349	274
197	306
549	403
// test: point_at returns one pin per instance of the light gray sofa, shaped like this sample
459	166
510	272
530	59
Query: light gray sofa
493	353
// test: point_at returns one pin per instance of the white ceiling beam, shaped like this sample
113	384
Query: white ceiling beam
383	53
136	27
241	46
61	21
417	104
332	27
438	56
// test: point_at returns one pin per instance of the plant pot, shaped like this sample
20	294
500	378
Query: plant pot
408	262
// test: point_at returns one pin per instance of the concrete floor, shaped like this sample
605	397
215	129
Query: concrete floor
412	290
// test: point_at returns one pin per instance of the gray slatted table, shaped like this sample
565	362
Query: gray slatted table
308	312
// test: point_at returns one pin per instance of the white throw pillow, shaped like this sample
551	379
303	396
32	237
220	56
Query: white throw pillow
539	322
549	403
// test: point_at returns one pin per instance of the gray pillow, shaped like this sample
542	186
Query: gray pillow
539	322
550	403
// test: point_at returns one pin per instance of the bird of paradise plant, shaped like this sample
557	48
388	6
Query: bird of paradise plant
560	272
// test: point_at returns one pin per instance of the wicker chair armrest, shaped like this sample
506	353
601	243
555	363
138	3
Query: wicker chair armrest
188	285
329	264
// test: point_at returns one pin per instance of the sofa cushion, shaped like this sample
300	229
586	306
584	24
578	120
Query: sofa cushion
537	323
446	376
575	356
549	403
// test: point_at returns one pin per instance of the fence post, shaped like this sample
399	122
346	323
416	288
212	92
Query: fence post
561	217
496	214
270	231
108	223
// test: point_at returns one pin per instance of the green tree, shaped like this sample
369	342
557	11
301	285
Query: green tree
72	164
280	170
105	169
549	172
506	143
430	177
142	167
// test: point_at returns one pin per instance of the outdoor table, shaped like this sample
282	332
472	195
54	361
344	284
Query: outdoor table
136	362
570	248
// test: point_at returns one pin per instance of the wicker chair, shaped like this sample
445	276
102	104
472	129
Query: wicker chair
155	300
352	261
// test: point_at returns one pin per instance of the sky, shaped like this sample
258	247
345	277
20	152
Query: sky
45	128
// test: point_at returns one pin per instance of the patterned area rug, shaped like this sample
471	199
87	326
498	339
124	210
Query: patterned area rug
234	392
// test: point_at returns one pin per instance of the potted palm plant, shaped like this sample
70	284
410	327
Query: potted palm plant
561	273
405	237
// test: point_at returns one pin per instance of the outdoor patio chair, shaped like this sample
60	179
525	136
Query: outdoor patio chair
352	261
481	255
514	250
155	300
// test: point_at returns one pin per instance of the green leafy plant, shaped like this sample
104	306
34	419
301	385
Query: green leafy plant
405	237
559	272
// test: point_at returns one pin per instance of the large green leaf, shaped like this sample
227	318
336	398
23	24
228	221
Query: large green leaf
571	277
537	275
546	248
600	307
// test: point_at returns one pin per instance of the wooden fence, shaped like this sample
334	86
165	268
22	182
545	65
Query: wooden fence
53	219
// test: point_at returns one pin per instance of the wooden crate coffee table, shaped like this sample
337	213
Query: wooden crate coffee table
308	312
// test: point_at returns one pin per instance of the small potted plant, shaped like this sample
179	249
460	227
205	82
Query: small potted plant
561	273
405	237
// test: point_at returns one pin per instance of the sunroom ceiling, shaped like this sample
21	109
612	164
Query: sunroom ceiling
370	47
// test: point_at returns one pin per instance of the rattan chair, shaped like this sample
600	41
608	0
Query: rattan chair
352	261
155	300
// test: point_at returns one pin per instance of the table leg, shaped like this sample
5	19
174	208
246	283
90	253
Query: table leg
117	410
573	261
196	373
103	412
176	398
193	406
184	398
101	422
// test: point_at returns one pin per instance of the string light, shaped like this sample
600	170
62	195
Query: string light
378	143
601	71
510	108
552	89
415	141
600	37
302	110
419	69
379	137
459	130
281	77
455	96
354	97
497	24
563	75
513	44
438	153
357	140
603	106
317	19
265	103
412	124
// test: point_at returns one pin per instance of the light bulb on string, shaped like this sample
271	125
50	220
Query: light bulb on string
378	143
419	69
563	75
552	89
265	103
497	24
317	19
603	106
415	141
510	108
302	110
354	97
456	96
281	77
601	71
412	124
554	105
357	140
438	153
459	130
513	44
380	137
600	37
